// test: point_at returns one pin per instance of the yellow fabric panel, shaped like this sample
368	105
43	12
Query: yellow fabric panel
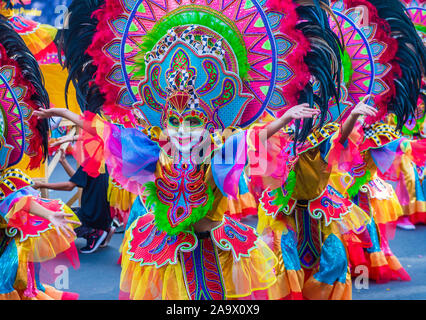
55	79
120	198
387	210
311	175
36	173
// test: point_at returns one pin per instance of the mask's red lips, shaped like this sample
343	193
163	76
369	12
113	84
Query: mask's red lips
183	141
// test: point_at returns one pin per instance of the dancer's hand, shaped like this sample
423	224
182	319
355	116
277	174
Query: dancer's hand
60	112
60	222
46	113
301	111
62	157
363	109
37	185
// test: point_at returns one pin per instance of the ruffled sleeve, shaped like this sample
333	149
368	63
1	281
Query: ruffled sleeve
415	150
389	157
269	160
129	154
36	236
228	164
345	156
266	160
14	207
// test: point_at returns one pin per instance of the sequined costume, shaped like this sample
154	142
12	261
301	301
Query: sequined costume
306	220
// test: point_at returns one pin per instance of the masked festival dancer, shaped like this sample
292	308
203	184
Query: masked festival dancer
176	91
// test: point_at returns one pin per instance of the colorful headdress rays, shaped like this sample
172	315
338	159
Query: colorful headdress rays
368	57
190	70
416	10
21	92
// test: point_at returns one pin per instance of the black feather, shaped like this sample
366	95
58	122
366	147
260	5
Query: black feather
73	41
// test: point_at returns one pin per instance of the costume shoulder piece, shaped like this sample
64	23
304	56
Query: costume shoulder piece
12	181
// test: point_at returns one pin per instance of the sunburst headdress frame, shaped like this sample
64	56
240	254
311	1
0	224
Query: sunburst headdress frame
21	92
192	70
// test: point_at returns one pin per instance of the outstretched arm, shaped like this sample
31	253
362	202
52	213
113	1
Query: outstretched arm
301	111
361	109
60	112
63	140
65	164
61	186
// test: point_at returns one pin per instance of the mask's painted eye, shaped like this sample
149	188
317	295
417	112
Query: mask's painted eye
194	122
174	121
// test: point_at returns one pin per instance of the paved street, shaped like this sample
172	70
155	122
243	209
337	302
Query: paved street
99	274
